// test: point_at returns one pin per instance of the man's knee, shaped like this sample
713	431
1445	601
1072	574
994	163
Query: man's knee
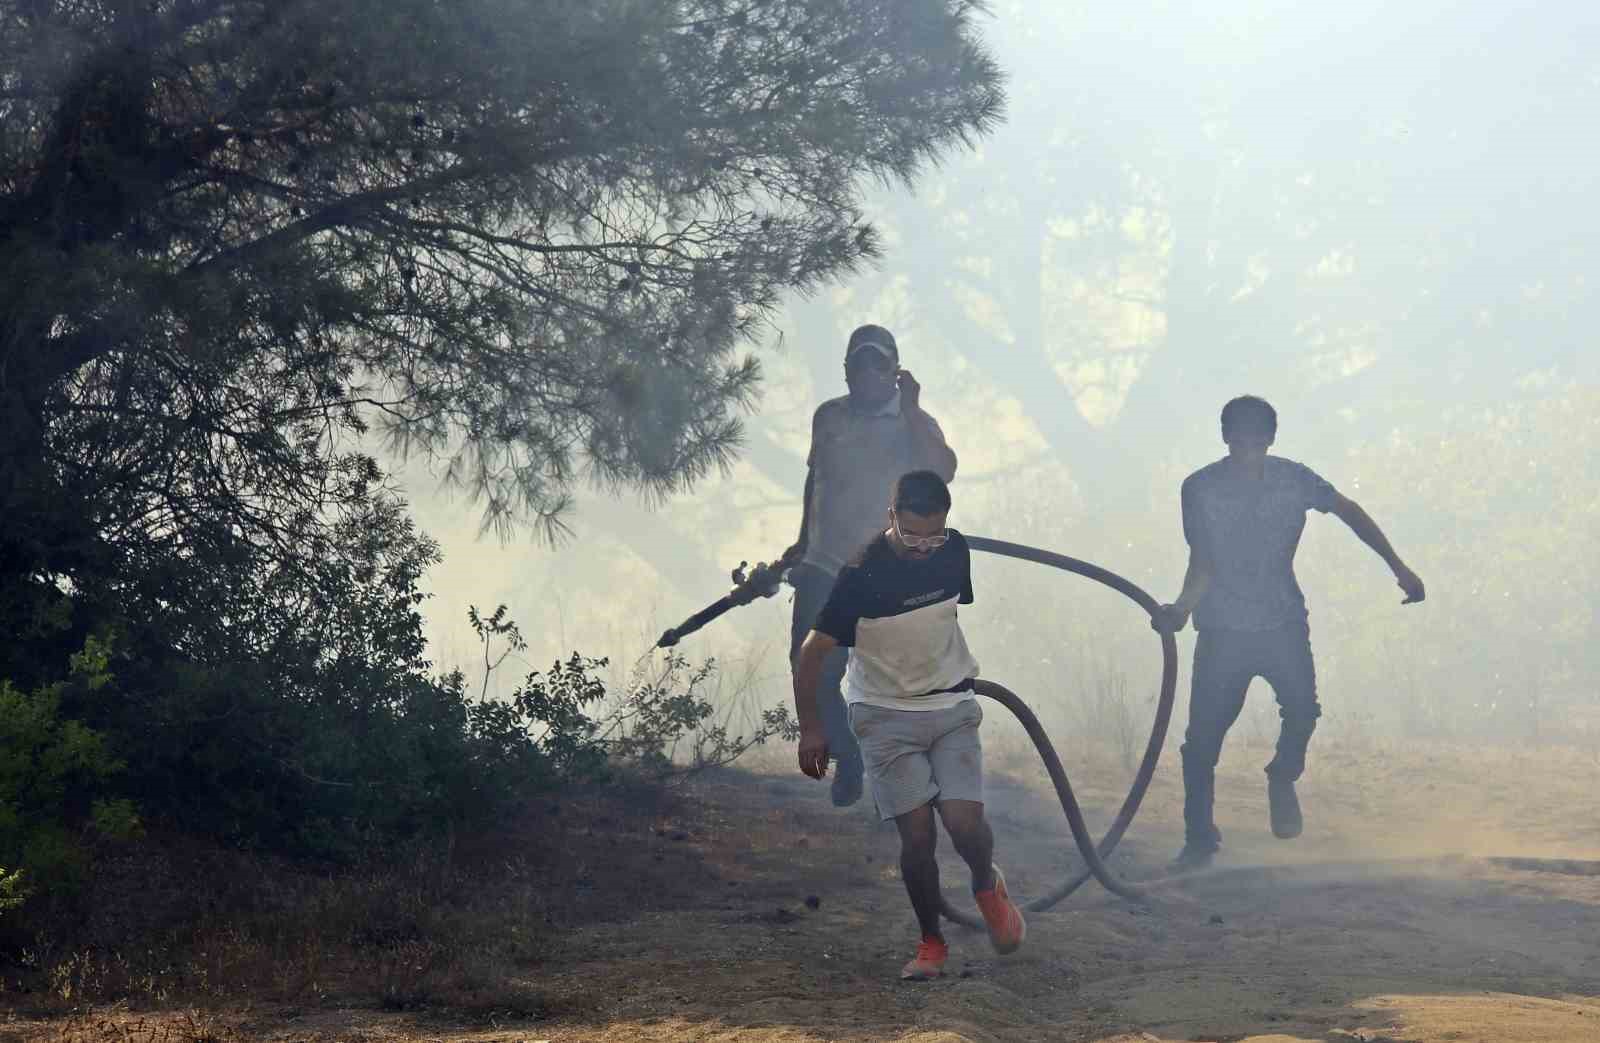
1201	753
1293	677
961	815
1208	730
919	838
963	820
1294	738
1299	713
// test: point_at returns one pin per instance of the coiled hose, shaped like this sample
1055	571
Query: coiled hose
764	583
1094	856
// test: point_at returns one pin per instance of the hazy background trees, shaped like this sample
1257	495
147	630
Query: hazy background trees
1381	219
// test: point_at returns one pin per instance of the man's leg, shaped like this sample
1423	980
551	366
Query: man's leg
969	831
1291	671
919	839
894	746
956	758
974	840
1218	682
811	588
846	789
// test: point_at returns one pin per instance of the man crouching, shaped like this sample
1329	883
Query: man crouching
908	686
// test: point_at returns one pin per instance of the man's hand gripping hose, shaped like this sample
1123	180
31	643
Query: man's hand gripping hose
764	581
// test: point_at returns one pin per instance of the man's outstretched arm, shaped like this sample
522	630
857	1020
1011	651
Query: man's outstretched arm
807	675
1361	523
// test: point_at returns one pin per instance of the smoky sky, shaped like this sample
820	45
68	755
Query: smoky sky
1379	218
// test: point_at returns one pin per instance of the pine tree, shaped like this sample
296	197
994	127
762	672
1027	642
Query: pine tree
532	237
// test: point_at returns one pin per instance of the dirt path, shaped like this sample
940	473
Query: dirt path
1333	938
1320	947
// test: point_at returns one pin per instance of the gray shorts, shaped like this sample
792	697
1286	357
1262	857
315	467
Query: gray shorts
916	756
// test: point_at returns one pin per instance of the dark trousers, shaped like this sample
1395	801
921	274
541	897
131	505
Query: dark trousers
1225	662
811	588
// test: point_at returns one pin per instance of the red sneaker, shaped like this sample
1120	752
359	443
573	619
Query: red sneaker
929	961
1007	928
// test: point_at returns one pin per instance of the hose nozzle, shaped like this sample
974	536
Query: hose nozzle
762	581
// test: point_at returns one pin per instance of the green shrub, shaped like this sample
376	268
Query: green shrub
53	776
557	729
345	753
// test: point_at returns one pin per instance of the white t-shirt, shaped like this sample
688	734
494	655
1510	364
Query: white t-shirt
898	618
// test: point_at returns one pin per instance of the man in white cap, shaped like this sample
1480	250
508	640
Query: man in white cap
861	443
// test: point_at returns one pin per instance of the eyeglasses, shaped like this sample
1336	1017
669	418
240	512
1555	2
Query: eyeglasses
919	542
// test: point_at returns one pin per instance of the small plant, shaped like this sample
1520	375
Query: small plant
664	727
1114	714
14	889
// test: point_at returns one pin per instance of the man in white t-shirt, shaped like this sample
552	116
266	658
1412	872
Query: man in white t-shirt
912	708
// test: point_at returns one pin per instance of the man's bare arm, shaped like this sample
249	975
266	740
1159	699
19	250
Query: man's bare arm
927	441
1367	530
928	445
795	553
807	676
1196	580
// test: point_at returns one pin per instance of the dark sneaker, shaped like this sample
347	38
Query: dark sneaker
846	788
1286	821
1193	858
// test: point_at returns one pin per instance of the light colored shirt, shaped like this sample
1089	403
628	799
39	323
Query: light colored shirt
855	460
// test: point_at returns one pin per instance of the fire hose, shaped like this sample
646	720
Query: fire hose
765	581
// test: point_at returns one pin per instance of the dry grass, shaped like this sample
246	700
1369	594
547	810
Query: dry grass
747	907
183	1027
460	927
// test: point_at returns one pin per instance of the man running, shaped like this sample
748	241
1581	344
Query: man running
860	443
1242	518
908	684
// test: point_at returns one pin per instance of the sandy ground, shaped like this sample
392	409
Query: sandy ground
1387	921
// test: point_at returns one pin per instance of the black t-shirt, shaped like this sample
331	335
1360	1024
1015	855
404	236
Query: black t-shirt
898	617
